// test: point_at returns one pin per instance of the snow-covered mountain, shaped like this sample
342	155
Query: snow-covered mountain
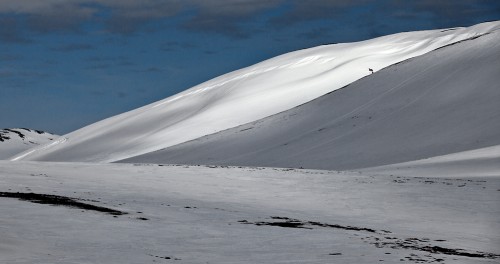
16	140
443	102
248	95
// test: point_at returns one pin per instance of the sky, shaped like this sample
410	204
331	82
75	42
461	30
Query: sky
65	64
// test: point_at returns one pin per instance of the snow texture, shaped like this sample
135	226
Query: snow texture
245	96
189	214
443	102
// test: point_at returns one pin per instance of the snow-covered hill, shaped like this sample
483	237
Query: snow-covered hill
443	102
16	140
245	95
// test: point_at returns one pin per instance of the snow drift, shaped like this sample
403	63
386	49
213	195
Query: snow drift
440	103
244	96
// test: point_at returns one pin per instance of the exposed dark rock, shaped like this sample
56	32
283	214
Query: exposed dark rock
295	223
21	135
380	239
59	201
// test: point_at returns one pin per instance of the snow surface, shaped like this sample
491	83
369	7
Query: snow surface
198	214
16	140
244	96
442	102
482	162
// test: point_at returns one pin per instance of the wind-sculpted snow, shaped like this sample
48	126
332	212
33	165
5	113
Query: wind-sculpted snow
440	103
16	140
245	95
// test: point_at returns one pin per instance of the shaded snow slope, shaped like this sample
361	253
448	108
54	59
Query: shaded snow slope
440	103
181	214
244	96
483	162
16	140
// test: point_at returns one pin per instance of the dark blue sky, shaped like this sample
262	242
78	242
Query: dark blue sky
65	64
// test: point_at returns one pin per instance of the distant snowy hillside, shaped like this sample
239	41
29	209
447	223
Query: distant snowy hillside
16	140
246	95
440	103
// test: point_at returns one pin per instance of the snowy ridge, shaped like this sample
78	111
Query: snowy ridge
16	140
244	96
43	147
439	103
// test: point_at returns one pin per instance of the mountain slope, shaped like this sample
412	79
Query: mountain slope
243	96
443	102
16	140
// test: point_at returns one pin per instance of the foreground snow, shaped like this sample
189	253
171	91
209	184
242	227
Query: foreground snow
16	140
244	96
180	214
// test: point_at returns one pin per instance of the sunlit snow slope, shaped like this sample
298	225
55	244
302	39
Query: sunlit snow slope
443	102
16	140
244	96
